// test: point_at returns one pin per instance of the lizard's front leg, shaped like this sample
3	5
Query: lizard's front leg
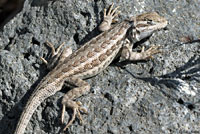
127	54
69	97
57	56
108	18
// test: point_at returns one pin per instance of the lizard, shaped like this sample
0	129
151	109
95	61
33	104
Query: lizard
90	59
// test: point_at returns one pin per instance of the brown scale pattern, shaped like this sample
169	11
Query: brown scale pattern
76	72
113	47
90	54
59	84
88	66
64	70
58	75
83	59
118	42
81	70
114	37
98	49
76	63
102	57
104	44
108	52
95	62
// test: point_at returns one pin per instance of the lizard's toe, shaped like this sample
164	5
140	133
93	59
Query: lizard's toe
77	109
109	17
151	51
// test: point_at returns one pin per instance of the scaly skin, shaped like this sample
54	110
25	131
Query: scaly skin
92	58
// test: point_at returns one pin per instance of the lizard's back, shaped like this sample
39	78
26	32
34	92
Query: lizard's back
95	55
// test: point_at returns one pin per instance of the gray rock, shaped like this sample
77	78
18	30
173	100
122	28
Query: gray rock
156	96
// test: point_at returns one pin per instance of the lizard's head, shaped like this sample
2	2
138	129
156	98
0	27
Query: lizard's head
145	24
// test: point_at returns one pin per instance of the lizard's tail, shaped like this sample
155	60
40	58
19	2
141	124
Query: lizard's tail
35	100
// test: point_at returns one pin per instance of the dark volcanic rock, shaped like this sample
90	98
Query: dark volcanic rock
156	96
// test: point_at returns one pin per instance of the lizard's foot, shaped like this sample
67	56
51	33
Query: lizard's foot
56	55
53	51
82	87
76	107
109	18
127	53
148	54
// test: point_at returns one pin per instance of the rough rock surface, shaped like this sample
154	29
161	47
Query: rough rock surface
156	96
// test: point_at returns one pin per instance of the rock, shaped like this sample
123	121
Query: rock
139	98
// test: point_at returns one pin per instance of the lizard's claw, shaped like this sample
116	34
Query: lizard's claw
43	60
112	13
151	51
57	55
76	111
109	17
54	52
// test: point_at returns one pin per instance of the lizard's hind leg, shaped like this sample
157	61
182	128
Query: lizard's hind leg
81	88
57	55
127	54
